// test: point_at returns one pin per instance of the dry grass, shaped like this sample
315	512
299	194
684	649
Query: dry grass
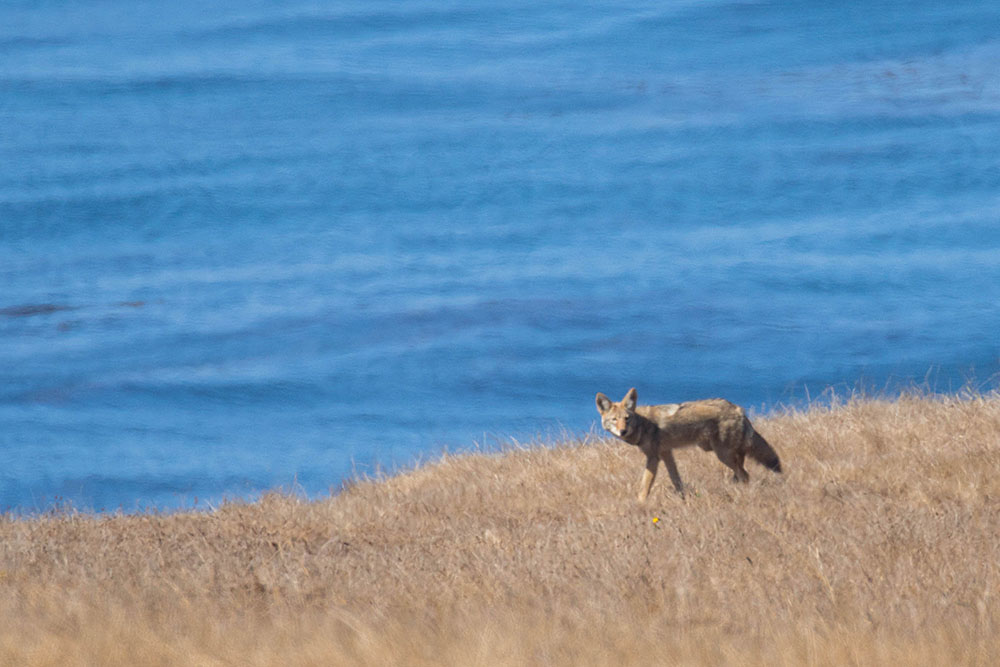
878	546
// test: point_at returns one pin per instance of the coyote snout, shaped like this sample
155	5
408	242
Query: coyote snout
714	424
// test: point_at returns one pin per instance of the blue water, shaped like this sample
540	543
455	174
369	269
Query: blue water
254	245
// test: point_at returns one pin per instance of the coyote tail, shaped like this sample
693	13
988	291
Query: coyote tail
762	452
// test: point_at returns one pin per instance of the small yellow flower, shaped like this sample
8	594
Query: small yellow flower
656	519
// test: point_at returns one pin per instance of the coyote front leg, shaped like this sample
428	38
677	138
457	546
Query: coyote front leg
675	476
648	475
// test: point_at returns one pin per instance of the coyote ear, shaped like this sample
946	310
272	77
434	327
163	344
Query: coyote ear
603	403
629	400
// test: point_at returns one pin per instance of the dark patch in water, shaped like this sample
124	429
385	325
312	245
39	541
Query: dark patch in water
27	310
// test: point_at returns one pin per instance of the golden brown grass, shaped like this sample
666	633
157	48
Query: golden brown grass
880	545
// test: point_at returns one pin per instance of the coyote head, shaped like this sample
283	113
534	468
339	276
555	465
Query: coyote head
617	417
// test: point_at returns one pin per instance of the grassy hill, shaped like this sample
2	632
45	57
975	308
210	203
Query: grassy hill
879	545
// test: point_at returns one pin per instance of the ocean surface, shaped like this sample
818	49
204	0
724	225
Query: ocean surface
254	245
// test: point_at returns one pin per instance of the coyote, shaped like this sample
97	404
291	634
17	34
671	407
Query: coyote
714	424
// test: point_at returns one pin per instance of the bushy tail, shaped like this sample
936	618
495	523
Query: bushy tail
763	453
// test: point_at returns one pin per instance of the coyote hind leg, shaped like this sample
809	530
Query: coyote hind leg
734	460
